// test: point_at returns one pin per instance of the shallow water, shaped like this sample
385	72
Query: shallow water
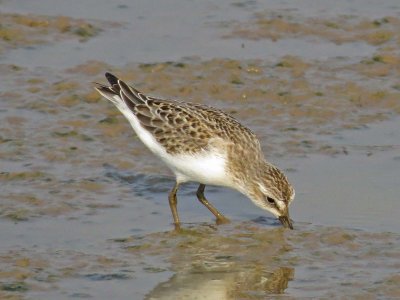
174	29
84	210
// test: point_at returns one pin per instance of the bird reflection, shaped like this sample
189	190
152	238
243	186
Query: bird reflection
236	261
249	284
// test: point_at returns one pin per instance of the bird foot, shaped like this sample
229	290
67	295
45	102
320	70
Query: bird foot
222	220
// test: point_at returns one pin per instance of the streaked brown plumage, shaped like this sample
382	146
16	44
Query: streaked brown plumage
188	136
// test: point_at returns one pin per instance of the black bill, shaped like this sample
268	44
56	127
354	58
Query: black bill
286	222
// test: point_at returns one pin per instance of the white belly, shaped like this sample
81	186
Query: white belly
203	167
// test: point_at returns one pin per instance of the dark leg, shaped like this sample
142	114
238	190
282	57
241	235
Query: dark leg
172	203
200	195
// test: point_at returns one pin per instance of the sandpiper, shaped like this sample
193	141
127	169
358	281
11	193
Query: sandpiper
205	145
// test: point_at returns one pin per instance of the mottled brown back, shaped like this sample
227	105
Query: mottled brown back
181	127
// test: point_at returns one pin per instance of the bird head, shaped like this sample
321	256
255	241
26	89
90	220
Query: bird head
272	191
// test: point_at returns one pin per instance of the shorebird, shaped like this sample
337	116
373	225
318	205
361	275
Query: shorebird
203	144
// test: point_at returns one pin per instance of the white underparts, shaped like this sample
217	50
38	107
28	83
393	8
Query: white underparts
204	167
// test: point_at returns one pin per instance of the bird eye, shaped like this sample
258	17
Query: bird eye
270	200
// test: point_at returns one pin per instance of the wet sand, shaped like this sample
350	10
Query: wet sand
84	210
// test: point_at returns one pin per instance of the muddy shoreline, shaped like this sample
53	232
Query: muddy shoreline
83	210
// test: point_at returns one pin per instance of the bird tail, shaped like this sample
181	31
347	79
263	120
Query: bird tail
119	92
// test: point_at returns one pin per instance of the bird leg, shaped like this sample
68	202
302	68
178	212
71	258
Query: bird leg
172	204
200	195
